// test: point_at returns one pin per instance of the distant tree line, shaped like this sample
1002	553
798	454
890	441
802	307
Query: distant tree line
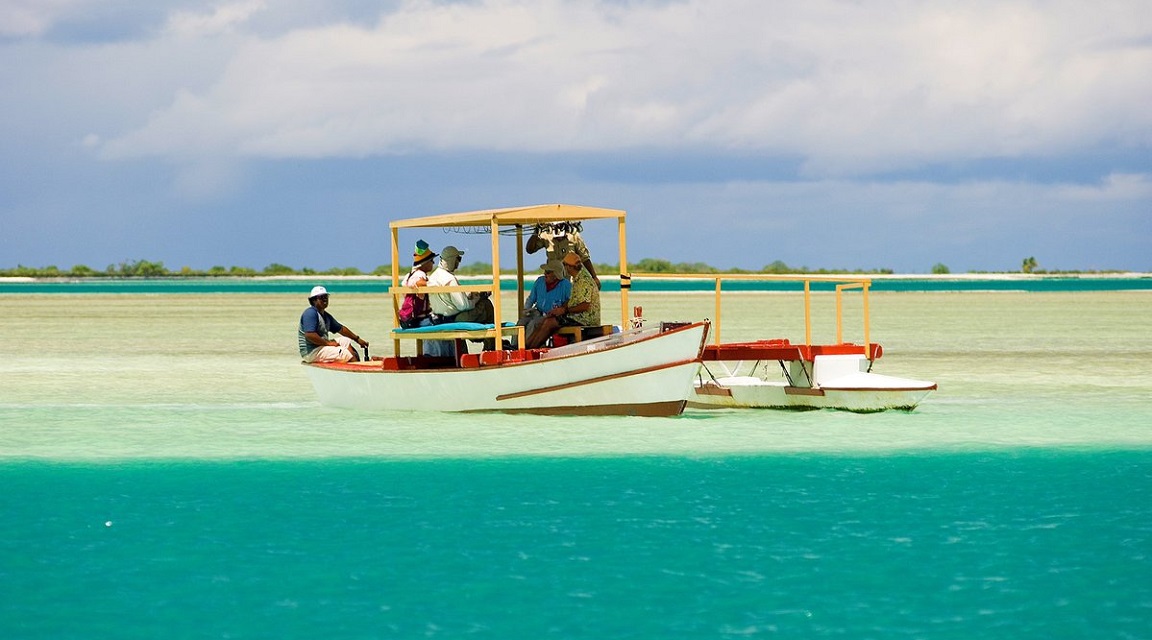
149	269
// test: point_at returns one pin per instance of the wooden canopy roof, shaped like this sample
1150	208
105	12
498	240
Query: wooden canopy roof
528	215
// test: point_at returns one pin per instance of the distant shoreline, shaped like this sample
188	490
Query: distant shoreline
646	276
640	283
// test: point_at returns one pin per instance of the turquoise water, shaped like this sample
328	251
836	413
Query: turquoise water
166	471
1006	544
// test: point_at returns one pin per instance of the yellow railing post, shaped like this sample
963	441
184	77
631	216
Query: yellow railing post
716	339
808	312
520	271
839	315
395	283
496	319
863	286
625	277
841	285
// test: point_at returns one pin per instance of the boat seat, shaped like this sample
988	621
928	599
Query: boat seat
490	358
576	333
470	361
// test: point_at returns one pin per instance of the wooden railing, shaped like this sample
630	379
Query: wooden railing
843	283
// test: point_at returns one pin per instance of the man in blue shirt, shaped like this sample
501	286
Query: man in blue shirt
315	326
550	290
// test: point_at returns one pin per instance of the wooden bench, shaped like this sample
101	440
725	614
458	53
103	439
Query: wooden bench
576	333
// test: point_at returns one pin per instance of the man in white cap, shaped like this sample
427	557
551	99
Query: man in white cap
315	326
457	306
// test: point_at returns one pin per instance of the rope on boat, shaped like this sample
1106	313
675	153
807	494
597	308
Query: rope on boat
710	375
575	226
807	373
786	375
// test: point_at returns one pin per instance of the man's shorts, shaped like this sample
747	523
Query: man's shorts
343	353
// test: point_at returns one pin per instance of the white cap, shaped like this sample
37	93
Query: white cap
317	291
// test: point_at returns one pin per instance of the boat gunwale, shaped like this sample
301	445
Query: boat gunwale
362	367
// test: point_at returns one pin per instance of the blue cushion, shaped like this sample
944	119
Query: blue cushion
453	326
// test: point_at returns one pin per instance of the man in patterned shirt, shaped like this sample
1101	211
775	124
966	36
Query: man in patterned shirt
582	308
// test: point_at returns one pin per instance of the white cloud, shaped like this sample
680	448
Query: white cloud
221	19
849	87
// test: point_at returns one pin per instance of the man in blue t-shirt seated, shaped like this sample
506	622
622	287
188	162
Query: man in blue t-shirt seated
550	290
315	326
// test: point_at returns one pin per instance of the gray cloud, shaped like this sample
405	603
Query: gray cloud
977	129
849	88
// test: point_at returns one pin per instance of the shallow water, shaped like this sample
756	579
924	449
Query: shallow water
167	470
208	376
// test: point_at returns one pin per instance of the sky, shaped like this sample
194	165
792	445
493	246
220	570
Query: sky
837	134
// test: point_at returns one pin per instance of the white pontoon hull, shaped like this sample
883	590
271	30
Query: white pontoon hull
640	372
836	386
748	393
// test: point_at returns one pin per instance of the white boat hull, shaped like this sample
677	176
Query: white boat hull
641	372
835	386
